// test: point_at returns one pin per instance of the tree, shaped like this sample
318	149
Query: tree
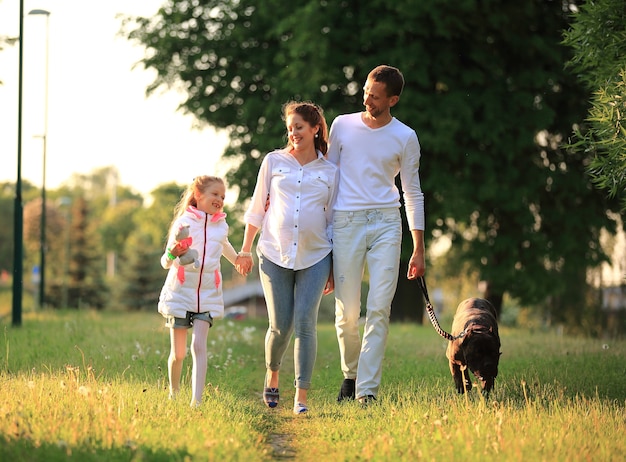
486	92
54	243
598	37
235	62
141	277
117	224
86	287
7	193
7	203
154	221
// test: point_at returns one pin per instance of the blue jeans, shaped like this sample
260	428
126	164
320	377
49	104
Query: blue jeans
371	237
293	299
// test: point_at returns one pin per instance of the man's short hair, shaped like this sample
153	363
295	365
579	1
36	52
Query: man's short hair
390	76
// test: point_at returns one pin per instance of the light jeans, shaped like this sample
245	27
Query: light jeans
293	300
371	237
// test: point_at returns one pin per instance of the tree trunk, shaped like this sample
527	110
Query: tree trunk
495	297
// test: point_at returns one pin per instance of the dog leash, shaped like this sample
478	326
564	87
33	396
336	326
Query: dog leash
431	314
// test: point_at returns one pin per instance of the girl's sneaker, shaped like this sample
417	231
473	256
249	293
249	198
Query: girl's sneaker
300	408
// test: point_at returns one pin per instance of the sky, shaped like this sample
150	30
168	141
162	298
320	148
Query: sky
98	114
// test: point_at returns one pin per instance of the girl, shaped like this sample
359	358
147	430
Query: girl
192	294
294	248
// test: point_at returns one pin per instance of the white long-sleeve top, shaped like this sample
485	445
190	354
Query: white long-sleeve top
369	160
200	289
296	229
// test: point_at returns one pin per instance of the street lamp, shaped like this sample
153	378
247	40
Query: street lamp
18	209
44	137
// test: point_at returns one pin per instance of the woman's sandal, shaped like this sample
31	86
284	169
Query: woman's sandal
270	397
300	408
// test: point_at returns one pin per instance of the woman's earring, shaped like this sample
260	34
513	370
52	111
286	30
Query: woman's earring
317	135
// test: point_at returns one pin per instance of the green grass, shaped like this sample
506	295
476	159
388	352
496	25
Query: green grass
92	386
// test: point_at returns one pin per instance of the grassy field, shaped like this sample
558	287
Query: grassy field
89	386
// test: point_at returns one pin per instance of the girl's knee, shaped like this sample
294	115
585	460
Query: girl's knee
198	348
176	356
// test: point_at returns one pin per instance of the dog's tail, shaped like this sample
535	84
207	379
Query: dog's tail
431	314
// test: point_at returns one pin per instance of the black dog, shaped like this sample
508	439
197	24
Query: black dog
478	349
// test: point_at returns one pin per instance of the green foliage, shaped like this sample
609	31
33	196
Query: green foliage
239	62
155	220
93	386
7	204
598	37
486	91
606	138
140	236
117	224
85	285
141	275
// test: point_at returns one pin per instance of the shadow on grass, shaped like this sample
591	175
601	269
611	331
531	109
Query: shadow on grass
27	450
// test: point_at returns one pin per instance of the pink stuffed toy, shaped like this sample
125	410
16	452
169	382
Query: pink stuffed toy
191	256
184	239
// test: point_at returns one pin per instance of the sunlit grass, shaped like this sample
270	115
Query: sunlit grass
92	385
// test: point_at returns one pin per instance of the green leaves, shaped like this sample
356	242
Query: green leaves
486	91
598	38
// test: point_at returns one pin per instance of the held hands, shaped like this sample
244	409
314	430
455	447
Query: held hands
330	285
244	263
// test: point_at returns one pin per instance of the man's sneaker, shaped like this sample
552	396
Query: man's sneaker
347	390
367	400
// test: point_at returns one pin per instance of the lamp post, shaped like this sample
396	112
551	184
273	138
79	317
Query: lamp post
44	137
18	209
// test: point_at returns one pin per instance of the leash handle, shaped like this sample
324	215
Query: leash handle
431	313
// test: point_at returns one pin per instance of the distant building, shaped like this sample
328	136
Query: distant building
249	296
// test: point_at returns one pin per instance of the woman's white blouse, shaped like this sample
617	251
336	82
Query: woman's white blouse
296	228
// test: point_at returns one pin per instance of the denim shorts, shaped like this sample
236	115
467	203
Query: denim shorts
188	320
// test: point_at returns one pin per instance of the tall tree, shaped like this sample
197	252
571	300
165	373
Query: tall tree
54	242
141	275
486	92
154	221
598	38
7	194
86	286
117	224
7	202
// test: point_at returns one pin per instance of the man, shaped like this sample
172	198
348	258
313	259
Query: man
371	148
